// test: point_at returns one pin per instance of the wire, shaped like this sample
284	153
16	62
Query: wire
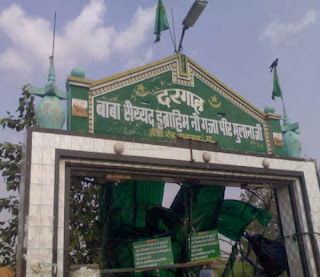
295	235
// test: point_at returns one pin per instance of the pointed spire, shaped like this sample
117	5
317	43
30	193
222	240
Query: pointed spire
286	120
51	75
290	131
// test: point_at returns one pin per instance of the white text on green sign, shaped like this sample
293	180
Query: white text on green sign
205	246
154	252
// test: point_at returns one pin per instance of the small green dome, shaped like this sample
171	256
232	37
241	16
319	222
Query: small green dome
78	72
269	109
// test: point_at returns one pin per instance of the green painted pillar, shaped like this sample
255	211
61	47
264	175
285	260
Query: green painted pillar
78	101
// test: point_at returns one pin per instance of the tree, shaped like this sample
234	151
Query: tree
84	208
85	224
264	199
10	166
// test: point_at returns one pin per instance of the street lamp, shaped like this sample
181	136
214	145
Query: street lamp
191	18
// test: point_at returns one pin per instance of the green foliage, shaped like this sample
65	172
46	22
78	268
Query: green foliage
239	269
264	199
25	117
85	229
10	155
10	167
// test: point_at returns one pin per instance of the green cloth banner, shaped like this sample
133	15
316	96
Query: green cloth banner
276	85
161	23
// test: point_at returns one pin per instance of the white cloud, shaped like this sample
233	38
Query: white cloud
135	61
134	36
11	60
29	38
85	39
82	41
278	32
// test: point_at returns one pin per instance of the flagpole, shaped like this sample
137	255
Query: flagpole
175	49
277	92
290	132
286	120
162	24
174	32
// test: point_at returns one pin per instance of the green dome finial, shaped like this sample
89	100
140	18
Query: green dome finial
50	113
78	72
269	109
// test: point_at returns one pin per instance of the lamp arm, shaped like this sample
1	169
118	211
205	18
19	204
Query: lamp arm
182	36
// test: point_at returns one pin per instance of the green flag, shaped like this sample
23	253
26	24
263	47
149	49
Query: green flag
276	85
161	23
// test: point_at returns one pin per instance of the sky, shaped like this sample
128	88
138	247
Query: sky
236	41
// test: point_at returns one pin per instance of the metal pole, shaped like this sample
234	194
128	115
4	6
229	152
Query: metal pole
181	39
174	32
